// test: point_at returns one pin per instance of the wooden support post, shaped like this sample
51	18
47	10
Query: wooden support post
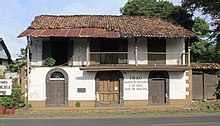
188	56
136	53
28	66
87	53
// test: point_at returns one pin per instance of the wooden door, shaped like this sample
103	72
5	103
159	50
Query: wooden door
56	90
197	86
56	93
108	88
157	91
156	46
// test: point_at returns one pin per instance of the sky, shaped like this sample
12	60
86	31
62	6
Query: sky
17	15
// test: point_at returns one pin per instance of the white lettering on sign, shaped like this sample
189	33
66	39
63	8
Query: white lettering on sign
5	86
135	83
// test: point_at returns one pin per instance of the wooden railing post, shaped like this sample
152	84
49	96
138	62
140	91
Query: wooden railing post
189	56
136	53
87	53
136	56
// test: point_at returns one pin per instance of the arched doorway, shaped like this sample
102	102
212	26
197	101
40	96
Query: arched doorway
56	88
158	84
109	88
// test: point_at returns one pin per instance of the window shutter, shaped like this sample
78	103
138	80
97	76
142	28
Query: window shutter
46	51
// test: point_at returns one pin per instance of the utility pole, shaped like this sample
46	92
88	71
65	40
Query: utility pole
28	66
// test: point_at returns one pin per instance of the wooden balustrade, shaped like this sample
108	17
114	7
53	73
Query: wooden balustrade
137	58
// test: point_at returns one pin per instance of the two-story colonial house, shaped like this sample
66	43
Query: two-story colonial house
108	61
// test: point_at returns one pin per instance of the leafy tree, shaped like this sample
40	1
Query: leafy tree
147	8
22	54
200	27
182	17
207	7
211	7
16	66
163	9
202	50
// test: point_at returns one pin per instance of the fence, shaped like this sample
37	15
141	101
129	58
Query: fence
203	86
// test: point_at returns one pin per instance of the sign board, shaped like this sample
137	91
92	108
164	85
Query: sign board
5	86
135	83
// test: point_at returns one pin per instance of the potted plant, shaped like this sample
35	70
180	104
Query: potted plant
2	110
49	62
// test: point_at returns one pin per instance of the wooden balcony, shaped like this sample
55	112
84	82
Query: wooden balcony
136	61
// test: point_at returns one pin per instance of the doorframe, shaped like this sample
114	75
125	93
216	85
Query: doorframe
121	93
66	80
160	75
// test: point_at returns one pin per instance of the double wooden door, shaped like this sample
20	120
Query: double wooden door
109	89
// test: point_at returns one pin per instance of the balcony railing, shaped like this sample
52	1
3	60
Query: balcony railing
137	58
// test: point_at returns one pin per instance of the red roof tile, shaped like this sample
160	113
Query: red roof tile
105	26
205	66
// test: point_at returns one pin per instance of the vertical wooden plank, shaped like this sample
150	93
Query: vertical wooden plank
210	83
197	86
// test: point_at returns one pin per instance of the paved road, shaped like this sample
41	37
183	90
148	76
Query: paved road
212	120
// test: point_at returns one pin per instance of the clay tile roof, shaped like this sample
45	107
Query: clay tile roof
205	66
125	26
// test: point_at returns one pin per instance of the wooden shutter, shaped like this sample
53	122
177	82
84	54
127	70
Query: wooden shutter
95	47
46	50
70	52
159	46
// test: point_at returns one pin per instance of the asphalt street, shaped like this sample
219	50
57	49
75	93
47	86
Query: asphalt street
210	120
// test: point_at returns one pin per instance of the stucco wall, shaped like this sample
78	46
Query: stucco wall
141	46
177	46
178	85
131	47
137	89
79	51
36	50
77	79
135	84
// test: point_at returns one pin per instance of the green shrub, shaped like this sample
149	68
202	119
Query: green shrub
14	100
15	67
77	104
49	62
29	105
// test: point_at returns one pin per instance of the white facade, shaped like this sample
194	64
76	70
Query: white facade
134	89
135	83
